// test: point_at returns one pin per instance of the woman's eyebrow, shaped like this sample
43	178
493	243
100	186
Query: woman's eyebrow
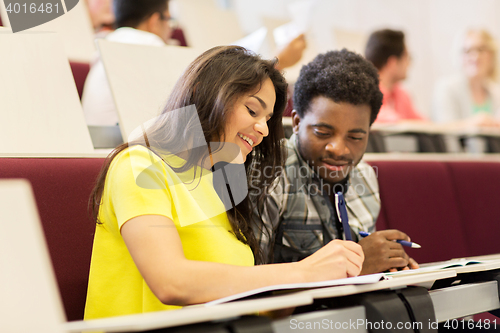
262	103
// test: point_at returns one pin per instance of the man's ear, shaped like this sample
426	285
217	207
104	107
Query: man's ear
295	121
392	61
152	23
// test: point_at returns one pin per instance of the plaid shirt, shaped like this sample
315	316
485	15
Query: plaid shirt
299	219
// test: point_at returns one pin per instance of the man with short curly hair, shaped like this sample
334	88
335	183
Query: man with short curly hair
336	99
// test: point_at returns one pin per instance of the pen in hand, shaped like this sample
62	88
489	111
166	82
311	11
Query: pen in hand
402	242
342	215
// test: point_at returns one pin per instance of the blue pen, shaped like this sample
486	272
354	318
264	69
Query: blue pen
342	214
402	242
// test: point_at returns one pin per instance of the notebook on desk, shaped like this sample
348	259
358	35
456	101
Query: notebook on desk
462	265
363	279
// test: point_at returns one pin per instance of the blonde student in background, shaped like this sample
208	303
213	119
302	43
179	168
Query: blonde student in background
166	234
471	97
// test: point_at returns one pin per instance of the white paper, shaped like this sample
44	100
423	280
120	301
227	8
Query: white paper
253	41
285	33
454	263
301	13
364	279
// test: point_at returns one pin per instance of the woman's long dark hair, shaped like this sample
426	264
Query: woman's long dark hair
213	83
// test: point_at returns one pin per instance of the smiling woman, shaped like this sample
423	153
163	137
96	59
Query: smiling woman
164	235
473	96
247	124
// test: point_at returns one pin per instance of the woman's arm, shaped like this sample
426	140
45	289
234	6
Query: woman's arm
156	248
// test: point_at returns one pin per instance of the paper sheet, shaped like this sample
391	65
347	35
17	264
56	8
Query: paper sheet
364	279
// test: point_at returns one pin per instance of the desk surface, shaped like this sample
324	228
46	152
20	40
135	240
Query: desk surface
188	315
198	314
425	279
435	128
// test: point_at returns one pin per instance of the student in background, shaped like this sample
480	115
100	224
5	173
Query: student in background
164	238
336	100
144	22
387	50
101	15
473	96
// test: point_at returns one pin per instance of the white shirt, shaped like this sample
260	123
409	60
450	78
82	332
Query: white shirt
97	101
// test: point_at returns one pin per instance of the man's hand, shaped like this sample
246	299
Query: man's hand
292	52
383	254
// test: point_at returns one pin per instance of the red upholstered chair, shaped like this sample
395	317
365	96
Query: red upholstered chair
381	221
80	71
178	35
1	24
62	188
418	199
289	106
476	185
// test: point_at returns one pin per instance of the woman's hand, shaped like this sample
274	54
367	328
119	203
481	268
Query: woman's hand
337	259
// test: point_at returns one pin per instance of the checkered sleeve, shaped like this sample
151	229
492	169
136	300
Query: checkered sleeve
363	199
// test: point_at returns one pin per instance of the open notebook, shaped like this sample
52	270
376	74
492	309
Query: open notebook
365	279
462	265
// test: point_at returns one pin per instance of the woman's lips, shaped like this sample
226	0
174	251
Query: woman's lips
246	143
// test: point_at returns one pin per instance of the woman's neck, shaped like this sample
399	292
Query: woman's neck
478	90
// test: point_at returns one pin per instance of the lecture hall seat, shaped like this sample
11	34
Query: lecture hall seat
418	198
80	71
178	35
62	188
477	195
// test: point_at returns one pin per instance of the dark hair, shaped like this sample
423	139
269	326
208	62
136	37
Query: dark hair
213	83
342	76
131	13
383	44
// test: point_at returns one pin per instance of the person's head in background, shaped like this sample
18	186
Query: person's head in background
101	14
479	52
386	49
147	15
336	100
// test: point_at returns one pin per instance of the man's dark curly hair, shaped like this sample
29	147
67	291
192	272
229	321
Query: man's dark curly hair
342	76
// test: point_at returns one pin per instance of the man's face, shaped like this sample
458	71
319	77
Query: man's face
332	137
164	30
